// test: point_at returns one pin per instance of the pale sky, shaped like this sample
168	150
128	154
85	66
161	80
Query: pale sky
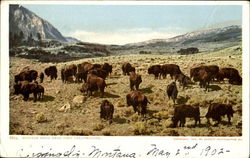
121	24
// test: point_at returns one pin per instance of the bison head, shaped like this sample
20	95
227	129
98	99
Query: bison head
17	88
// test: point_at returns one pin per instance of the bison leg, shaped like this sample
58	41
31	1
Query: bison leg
25	96
35	97
137	86
229	119
131	86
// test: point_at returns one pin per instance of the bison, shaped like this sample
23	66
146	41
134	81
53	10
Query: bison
106	110
81	76
99	72
26	88
135	80
204	78
28	75
41	76
172	91
107	68
182	79
155	70
213	70
138	101
183	111
216	110
68	71
93	83
230	73
171	69
126	68
51	72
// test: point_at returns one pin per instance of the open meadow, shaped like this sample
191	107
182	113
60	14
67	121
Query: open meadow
82	117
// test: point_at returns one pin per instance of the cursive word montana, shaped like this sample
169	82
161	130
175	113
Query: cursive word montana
116	153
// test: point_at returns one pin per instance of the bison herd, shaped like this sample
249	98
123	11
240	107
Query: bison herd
94	76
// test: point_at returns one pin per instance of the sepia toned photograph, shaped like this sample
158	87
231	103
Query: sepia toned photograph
125	70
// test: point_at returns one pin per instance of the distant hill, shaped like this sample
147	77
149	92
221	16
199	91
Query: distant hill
206	39
21	19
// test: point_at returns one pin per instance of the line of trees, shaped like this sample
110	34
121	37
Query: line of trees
18	39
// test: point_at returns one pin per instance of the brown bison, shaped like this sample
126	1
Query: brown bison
216	110
204	78
93	83
28	75
183	111
126	68
230	73
40	91
99	72
26	88
84	67
107	110
155	70
81	76
107	68
51	72
172	91
171	69
213	70
182	79
138	101
135	80
67	72
41	76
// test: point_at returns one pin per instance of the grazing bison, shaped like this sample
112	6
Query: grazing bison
93	83
182	79
107	68
51	72
171	69
99	72
40	91
26	88
183	111
84	67
126	68
107	110
216	110
230	73
135	80
81	76
67	72
138	101
28	75
41	76
213	70
172	91
155	70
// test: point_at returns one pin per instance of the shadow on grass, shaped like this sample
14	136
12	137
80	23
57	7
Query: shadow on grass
120	120
182	100
109	95
147	89
214	87
47	98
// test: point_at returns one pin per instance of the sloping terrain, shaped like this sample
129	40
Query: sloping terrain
45	118
204	40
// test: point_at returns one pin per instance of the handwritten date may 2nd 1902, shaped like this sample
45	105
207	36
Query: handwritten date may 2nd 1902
153	150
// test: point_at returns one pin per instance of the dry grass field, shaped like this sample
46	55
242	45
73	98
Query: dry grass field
83	117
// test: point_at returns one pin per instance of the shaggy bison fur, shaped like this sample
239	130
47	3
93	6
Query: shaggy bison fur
155	70
106	110
216	110
135	80
138	101
183	111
